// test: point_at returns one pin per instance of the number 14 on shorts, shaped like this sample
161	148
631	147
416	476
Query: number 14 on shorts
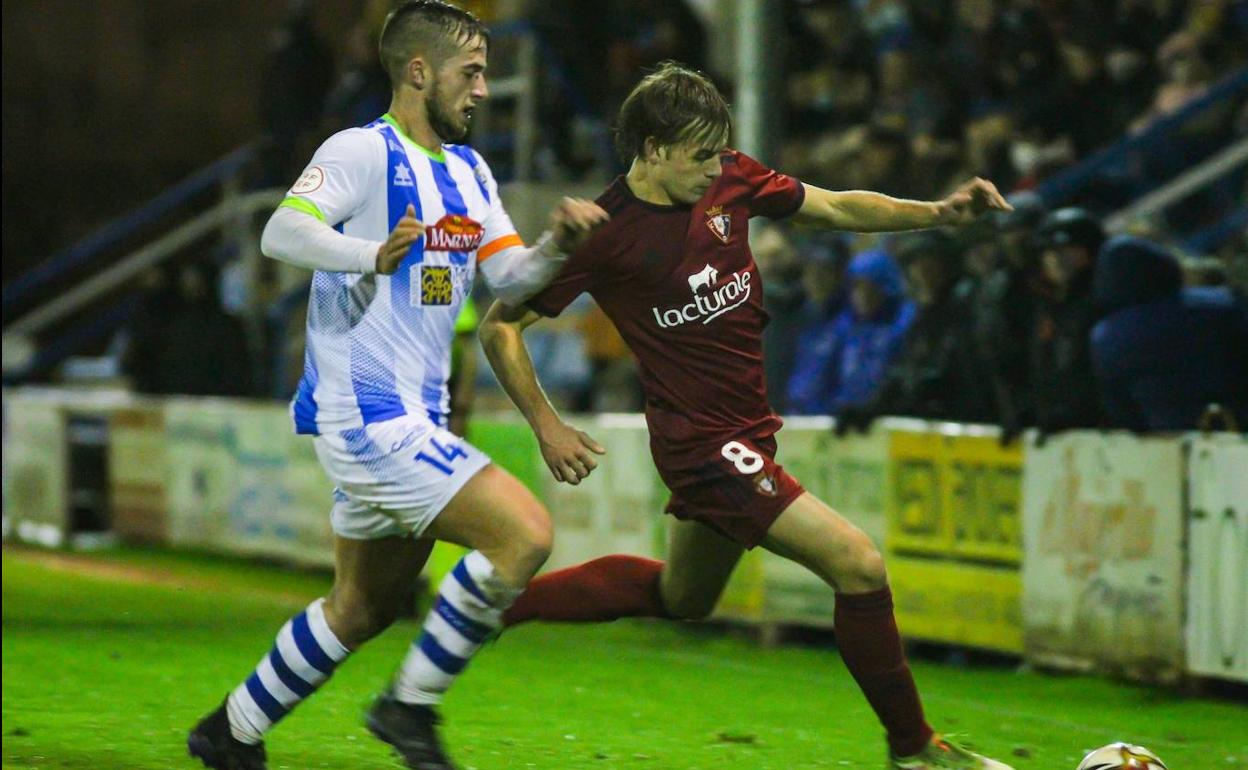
449	453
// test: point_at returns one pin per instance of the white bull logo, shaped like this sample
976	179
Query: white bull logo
703	279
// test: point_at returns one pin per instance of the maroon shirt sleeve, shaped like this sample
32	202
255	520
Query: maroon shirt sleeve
766	192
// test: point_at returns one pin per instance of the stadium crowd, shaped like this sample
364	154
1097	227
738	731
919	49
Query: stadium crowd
1036	318
1033	318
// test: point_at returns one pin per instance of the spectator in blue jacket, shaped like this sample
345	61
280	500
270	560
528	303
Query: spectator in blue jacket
1162	352
841	364
813	323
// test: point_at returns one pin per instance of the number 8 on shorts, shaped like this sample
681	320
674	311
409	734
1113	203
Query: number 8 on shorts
744	459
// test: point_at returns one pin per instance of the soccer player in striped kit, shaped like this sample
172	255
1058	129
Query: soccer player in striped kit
673	270
396	221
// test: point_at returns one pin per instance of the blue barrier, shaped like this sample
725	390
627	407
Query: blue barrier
93	245
1063	185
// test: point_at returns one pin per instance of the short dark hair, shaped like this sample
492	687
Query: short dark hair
673	104
431	27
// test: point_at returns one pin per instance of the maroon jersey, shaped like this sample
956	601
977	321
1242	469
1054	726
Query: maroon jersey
682	287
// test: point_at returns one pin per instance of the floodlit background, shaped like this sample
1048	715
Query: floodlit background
1040	424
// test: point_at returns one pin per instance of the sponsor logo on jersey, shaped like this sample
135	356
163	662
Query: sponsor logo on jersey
436	286
309	181
709	300
403	176
454	232
703	279
719	222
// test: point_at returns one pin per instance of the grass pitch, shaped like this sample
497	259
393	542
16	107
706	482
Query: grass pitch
107	661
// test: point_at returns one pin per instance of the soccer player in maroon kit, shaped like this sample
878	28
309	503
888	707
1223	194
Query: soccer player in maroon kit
673	270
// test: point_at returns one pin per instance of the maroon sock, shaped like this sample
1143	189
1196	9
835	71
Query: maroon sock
866	634
603	589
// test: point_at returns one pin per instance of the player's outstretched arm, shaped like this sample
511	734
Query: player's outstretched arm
302	239
569	453
516	273
871	212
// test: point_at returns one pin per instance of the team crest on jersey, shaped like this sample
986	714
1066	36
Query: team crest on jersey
454	232
403	176
719	222
436	285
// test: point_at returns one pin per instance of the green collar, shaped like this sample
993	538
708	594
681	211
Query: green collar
439	156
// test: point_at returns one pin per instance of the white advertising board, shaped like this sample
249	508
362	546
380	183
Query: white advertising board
1217	623
1103	554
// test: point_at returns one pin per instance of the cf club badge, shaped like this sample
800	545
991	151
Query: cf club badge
719	222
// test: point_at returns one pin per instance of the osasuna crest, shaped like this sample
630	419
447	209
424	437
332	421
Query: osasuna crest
719	222
765	484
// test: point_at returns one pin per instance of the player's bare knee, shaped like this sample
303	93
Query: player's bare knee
864	567
534	532
537	538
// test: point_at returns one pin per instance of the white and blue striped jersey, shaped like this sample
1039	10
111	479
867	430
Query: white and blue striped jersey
378	346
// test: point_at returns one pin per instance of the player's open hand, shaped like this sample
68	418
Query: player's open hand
569	452
574	220
406	232
970	200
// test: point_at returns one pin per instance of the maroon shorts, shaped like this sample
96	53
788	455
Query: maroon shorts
738	493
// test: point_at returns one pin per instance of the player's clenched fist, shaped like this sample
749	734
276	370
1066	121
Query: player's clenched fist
569	452
574	220
970	200
406	232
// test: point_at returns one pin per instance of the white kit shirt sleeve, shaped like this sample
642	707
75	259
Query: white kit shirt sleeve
332	189
513	271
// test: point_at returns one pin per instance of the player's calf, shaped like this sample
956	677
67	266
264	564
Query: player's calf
303	657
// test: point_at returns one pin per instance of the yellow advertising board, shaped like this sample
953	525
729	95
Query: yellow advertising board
954	535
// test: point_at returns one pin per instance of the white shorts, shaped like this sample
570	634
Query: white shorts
394	477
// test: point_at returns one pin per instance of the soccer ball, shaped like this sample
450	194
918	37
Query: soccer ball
1122	756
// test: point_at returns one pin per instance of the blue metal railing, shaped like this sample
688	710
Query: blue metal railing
1063	185
75	338
91	247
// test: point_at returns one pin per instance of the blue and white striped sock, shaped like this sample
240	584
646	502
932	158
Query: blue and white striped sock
470	606
306	654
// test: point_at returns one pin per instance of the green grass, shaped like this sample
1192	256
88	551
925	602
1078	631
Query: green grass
106	671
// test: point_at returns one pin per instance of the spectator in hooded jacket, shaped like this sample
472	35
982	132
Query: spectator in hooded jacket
1163	353
819	287
933	376
843	363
